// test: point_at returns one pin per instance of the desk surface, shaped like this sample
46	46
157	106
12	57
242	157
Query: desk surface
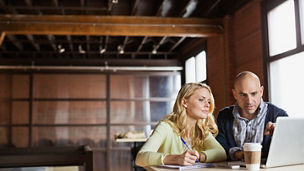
130	140
282	168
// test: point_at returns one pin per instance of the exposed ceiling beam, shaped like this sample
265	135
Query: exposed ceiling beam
134	8
109	25
164	39
106	42
110	5
2	4
209	11
3	47
55	2
82	3
125	42
15	42
70	42
159	44
2	36
160	9
91	52
177	43
52	40
28	3
31	38
93	62
189	8
142	43
88	43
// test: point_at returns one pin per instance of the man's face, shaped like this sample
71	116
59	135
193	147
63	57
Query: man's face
248	92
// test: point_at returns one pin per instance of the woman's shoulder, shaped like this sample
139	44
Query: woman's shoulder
164	124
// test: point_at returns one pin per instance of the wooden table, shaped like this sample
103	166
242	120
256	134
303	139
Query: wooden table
282	168
136	144
47	156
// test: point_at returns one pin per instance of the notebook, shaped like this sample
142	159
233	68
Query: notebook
190	167
287	144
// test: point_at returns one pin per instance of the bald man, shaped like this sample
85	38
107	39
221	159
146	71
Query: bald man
250	119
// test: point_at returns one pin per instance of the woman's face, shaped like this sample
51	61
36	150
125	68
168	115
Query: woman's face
198	105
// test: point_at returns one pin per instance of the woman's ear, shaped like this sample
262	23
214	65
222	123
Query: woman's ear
184	103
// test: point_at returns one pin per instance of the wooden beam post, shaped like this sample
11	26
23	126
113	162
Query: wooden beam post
110	25
2	36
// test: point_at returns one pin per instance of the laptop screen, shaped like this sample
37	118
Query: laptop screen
287	144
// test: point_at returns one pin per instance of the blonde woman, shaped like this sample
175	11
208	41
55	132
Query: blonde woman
191	120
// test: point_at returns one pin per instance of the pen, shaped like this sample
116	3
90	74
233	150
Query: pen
186	145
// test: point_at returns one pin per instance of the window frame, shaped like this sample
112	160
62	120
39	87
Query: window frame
267	6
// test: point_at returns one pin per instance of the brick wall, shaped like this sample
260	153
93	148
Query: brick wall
240	48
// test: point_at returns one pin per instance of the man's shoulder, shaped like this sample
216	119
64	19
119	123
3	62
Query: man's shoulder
274	107
275	110
226	112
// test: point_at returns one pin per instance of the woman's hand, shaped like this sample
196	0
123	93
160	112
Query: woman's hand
187	158
202	157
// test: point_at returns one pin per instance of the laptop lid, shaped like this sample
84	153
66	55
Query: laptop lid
287	144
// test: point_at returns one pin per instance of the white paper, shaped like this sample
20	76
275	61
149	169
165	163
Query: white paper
194	166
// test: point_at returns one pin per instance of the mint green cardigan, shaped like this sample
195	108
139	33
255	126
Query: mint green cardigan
165	141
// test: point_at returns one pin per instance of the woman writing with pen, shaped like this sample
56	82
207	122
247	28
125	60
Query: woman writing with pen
186	135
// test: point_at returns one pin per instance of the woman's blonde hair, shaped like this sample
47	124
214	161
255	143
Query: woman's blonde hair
178	118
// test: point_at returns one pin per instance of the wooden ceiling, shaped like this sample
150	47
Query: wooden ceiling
108	32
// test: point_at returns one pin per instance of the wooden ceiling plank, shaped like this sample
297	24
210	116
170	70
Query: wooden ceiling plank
110	25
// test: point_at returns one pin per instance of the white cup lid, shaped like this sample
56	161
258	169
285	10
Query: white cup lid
252	147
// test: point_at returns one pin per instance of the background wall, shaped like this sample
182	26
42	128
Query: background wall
239	49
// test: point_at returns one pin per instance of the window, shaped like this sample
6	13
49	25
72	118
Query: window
285	57
195	69
67	109
282	30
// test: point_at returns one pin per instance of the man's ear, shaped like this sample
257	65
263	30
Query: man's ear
261	90
234	93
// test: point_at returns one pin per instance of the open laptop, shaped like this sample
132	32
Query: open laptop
287	144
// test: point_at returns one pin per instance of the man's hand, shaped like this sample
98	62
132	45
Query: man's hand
187	158
269	128
239	155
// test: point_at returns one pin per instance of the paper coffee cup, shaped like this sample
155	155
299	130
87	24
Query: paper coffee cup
252	155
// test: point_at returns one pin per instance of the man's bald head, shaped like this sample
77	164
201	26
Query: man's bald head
246	74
